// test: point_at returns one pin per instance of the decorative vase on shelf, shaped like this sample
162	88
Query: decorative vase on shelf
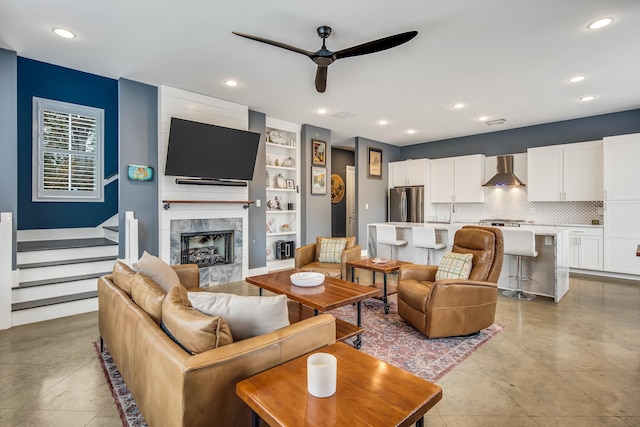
280	181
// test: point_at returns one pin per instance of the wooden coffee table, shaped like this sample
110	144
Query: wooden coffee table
368	392
387	267
333	293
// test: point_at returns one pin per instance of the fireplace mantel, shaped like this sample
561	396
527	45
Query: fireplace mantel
246	203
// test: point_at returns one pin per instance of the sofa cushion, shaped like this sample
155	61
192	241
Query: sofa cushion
454	266
122	275
148	295
247	316
326	268
192	330
158	270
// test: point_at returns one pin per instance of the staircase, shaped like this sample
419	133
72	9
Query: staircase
58	276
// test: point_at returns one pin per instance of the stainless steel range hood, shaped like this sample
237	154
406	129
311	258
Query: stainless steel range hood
504	175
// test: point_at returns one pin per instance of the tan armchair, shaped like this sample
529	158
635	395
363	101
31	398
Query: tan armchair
454	307
307	258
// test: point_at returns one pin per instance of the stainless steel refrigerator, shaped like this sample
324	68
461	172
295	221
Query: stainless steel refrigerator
406	204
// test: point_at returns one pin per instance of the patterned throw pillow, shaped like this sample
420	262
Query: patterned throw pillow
331	250
454	266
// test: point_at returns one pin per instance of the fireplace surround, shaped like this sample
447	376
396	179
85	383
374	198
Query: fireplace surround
205	238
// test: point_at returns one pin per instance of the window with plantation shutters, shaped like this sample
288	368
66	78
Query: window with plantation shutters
67	152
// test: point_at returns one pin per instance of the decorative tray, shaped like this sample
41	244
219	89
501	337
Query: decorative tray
379	260
307	279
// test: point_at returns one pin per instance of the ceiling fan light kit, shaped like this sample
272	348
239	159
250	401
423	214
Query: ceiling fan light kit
325	57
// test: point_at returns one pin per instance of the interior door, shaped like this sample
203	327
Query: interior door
351	200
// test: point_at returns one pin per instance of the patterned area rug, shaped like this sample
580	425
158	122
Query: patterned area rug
389	338
386	337
127	406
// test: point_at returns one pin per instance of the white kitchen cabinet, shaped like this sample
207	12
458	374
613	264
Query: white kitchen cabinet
283	197
622	236
621	154
457	179
568	172
408	172
622	204
586	248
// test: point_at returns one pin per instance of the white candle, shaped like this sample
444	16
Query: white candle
321	374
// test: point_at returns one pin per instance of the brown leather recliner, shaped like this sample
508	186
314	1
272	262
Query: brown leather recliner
308	258
454	307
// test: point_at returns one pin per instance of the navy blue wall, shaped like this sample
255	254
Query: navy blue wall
518	140
63	84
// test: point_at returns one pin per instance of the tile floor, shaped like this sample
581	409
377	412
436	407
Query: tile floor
576	363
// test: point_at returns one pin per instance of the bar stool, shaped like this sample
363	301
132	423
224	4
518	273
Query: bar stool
386	235
425	237
520	243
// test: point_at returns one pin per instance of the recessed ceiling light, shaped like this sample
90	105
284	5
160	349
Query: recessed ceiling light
459	106
64	33
587	98
231	83
483	118
382	122
411	131
321	111
576	79
600	23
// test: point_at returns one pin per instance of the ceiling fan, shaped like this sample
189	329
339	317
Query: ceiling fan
324	57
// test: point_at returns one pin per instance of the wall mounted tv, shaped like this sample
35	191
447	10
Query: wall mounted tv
210	152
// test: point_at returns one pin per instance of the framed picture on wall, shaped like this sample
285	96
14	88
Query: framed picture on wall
318	153
375	163
318	180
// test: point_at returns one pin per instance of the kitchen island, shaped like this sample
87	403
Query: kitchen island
549	271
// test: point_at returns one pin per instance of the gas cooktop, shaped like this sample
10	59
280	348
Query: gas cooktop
502	222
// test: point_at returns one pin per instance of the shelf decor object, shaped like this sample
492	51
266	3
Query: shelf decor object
375	163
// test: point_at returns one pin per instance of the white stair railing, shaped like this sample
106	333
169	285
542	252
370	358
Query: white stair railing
6	272
131	238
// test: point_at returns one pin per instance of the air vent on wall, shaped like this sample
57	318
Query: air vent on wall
343	115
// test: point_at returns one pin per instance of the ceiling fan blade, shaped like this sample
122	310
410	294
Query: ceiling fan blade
376	45
321	79
274	43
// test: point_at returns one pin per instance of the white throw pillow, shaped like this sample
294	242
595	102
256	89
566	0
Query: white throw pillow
247	316
158	270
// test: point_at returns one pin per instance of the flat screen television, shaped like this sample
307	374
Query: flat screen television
200	150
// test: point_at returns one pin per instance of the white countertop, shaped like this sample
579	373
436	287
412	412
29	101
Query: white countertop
538	229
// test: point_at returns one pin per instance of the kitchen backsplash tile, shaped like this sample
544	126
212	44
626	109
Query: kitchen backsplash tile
512	203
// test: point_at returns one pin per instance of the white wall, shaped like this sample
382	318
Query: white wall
204	109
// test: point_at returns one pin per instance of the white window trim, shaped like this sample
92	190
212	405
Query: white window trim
37	192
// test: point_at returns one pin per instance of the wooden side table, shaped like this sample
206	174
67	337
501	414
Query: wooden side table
389	266
368	392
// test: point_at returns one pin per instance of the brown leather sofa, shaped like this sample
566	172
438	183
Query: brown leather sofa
173	388
454	307
308	258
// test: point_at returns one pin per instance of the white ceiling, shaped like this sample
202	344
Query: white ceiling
506	59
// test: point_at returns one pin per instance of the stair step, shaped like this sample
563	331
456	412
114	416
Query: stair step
31	293
65	262
62	279
53	301
33	257
44	245
111	228
55	311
